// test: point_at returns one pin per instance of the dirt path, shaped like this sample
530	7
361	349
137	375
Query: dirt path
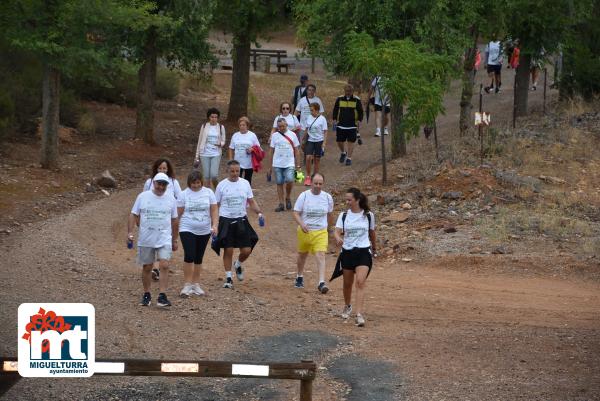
450	328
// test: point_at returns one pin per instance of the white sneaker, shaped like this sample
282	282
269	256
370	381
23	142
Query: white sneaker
239	272
196	290
377	133
347	311
187	290
360	320
386	132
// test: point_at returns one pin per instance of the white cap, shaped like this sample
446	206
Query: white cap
161	177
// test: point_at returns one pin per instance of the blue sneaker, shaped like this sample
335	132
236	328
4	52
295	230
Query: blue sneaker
348	162
162	300
299	282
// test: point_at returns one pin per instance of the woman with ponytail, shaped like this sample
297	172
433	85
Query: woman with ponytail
355	232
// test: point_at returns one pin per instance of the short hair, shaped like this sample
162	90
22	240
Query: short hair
233	162
195	175
311	86
213	110
315	106
246	120
281	119
312	177
349	87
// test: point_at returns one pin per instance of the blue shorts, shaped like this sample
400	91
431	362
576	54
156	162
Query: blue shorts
284	174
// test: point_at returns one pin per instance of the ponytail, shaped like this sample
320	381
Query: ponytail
363	202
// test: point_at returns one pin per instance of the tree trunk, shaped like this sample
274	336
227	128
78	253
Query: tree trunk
398	134
50	117
144	123
522	84
468	80
240	78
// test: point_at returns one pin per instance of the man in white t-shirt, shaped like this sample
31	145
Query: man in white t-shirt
156	215
233	195
382	105
303	108
493	62
284	161
313	213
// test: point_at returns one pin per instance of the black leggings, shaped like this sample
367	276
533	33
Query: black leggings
193	247
246	173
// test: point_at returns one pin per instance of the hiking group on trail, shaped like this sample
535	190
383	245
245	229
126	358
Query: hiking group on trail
198	216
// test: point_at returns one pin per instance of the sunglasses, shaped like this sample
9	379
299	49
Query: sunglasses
285	108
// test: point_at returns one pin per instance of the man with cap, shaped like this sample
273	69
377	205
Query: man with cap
299	90
156	216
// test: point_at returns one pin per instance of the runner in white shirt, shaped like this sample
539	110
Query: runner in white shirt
355	232
293	124
173	189
493	62
156	215
313	213
316	140
235	231
198	220
240	148
303	108
284	156
382	105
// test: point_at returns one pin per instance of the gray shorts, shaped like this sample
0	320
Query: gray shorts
147	255
210	166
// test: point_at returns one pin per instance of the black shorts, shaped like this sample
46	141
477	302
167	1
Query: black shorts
313	149
352	258
193	247
345	134
379	108
495	68
235	233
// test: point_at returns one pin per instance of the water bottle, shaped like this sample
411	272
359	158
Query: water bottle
214	239
261	220
129	243
268	176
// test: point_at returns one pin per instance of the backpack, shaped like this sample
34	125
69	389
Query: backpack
344	220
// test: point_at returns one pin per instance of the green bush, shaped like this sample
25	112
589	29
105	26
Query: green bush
122	88
87	124
7	113
70	108
167	83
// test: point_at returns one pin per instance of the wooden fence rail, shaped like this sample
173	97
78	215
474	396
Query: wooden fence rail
304	371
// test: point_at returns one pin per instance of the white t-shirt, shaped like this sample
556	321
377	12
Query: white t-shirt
173	189
155	214
232	197
379	92
314	209
292	121
196	213
214	137
240	142
283	155
304	108
315	127
494	51
356	229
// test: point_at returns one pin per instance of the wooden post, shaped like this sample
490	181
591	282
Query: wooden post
481	124
545	78
514	119
306	385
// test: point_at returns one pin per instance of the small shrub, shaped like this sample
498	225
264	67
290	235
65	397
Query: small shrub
70	108
167	83
7	111
87	124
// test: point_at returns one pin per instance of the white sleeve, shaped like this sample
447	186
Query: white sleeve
136	206
255	140
300	202
272	144
330	204
174	209
338	223
323	123
211	197
298	107
181	200
372	226
295	141
275	122
232	142
147	184
322	106
176	189
249	193
218	193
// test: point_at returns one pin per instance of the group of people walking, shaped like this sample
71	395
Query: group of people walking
197	216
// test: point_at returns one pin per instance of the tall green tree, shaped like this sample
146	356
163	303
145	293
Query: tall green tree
178	36
67	35
413	78
245	20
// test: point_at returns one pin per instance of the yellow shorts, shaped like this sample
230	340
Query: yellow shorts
313	241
